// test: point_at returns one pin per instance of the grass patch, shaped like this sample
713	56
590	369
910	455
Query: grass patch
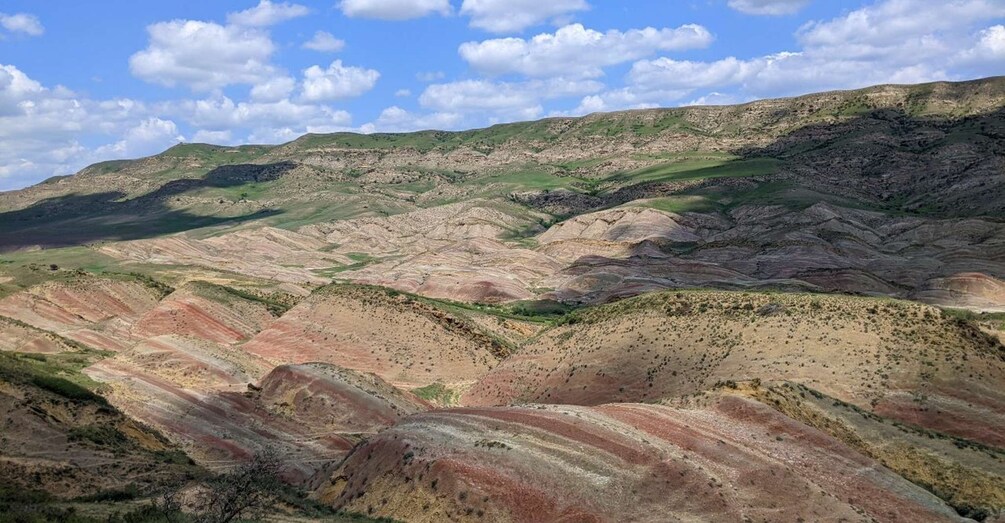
359	259
274	307
65	388
546	309
994	319
57	373
437	393
679	204
698	170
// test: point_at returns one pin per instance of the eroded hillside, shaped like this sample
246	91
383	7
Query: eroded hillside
669	314
891	190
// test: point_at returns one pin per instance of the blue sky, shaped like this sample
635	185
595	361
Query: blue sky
82	82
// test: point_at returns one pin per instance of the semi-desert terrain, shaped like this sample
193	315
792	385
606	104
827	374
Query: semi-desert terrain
786	310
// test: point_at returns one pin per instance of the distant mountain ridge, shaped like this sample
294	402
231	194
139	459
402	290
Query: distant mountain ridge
891	190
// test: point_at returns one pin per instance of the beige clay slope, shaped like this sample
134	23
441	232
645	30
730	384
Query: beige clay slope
406	342
898	359
888	410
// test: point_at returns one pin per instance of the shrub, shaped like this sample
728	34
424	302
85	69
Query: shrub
130	492
98	434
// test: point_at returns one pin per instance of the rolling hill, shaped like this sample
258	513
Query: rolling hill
784	309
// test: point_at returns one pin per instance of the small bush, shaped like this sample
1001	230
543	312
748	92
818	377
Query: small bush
129	493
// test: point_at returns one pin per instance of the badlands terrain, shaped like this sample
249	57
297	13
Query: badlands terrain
788	310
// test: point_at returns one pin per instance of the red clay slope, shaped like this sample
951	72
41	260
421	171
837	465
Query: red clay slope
204	311
97	312
734	460
311	414
407	343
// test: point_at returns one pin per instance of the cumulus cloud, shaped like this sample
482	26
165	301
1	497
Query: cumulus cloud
668	73
502	16
892	41
989	48
22	23
274	89
203	55
575	50
150	136
394	9
220	113
324	42
337	81
46	131
395	119
264	122
267	13
502	101
625	98
41	128
225	137
768	7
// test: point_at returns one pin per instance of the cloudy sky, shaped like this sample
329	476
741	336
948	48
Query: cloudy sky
82	82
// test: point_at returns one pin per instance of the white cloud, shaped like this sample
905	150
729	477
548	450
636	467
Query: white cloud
394	9
502	101
990	48
274	89
893	41
267	13
715	98
324	42
574	50
150	136
41	128
224	137
626	98
203	55
45	131
403	93
221	113
768	7
667	73
430	76
337	81
15	88
501	16
911	29
22	23
395	119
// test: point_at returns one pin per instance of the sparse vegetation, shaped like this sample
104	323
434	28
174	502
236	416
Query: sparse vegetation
437	393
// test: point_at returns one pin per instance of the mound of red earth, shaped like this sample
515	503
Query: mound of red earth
204	311
311	414
732	460
405	341
97	312
328	398
903	360
17	336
